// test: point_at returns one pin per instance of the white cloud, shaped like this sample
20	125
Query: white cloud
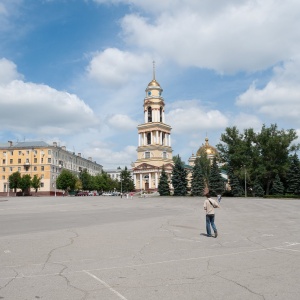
188	117
121	122
245	121
229	37
38	108
280	98
8	71
114	67
112	159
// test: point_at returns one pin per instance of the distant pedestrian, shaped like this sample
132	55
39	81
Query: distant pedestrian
63	193
219	198
127	195
131	195
209	206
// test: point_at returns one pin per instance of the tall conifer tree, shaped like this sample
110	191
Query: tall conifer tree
216	182
293	176
198	183
163	186
179	178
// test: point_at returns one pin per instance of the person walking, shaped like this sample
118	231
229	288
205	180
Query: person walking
209	206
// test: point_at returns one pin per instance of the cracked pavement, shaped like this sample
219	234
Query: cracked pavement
148	248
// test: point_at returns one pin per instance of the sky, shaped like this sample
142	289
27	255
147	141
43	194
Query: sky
75	71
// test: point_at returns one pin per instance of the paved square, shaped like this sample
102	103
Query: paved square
148	248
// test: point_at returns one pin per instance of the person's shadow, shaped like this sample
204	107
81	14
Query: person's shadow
204	234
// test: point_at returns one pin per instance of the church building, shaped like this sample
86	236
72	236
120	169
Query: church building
154	141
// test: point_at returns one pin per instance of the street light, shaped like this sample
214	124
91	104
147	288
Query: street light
245	180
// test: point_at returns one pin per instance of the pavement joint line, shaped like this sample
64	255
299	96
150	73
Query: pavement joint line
156	263
105	284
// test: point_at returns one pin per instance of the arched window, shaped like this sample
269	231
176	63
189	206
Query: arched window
149	138
160	114
149	114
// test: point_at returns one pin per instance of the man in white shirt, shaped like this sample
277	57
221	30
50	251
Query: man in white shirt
209	206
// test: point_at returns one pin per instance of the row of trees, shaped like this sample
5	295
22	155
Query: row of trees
263	162
101	182
68	181
25	182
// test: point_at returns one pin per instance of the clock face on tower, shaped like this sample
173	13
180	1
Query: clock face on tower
149	93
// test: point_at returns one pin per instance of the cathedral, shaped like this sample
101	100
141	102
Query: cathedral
154	150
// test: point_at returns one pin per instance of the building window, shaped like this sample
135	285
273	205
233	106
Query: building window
3	169
42	160
42	176
49	160
149	138
4	161
19	169
11	161
42	168
164	154
35	169
19	160
11	169
20	152
49	152
147	154
42	184
27	160
35	160
149	114
3	176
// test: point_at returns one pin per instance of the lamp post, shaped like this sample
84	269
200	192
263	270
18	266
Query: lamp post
245	180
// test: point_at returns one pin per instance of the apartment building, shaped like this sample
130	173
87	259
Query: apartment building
41	159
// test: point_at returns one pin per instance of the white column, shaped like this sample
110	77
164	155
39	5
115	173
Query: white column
151	133
146	116
134	179
156	181
139	139
141	181
170	140
145	138
157	137
150	181
160	137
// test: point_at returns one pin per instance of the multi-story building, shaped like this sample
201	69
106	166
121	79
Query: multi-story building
41	159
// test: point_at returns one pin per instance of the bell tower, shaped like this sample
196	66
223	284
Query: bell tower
154	144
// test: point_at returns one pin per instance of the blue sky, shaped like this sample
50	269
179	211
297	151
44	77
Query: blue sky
75	71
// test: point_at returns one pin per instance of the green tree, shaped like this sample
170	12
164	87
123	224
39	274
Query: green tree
86	180
205	165
14	181
257	191
126	181
274	146
236	189
36	183
277	188
66	180
264	154
25	183
216	182
293	176
198	181
163	185
179	178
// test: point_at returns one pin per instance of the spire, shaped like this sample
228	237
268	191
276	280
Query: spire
154	70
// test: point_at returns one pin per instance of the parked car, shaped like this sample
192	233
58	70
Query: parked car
107	194
93	194
82	194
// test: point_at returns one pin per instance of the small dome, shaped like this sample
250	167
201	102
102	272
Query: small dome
210	150
154	83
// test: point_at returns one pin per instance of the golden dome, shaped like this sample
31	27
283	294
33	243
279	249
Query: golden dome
210	150
154	83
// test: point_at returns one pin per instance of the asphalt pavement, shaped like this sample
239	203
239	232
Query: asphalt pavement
113	248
